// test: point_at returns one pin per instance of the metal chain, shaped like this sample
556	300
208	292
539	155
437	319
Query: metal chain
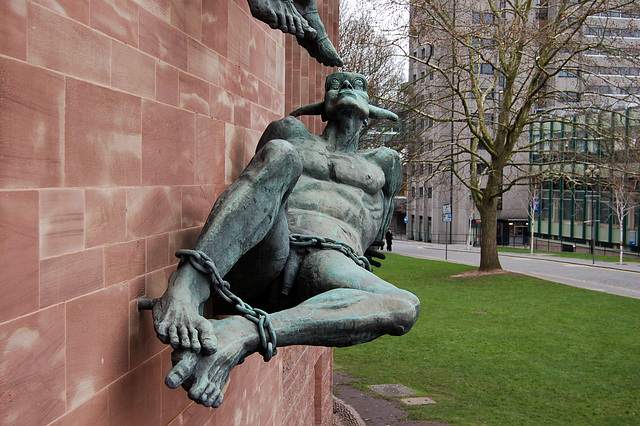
204	264
328	243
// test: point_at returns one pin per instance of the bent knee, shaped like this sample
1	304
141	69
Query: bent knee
406	312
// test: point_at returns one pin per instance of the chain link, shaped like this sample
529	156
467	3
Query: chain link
204	264
331	244
268	340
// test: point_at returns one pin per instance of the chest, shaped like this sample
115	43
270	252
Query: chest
348	169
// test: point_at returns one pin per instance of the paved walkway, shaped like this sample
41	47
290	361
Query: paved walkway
608	277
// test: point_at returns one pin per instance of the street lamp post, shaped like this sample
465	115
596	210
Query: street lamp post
592	171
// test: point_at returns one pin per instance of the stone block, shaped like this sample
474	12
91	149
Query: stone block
97	339
61	221
19	253
64	45
102	136
33	368
105	215
71	275
31	126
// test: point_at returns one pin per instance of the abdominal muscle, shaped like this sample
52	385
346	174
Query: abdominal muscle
337	211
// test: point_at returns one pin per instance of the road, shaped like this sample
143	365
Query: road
623	280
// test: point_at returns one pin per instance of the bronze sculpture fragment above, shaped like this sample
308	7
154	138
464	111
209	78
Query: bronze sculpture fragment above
300	18
288	246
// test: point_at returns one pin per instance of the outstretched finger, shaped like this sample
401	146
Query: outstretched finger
182	370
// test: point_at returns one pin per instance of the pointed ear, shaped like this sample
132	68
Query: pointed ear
375	112
311	109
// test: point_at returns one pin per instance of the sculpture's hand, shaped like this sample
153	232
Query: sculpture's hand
372	252
204	377
178	323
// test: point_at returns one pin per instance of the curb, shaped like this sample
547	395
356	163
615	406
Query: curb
548	259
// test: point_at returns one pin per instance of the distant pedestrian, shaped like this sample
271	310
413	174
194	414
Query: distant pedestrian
389	237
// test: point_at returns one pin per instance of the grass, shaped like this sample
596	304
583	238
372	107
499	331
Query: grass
507	350
600	258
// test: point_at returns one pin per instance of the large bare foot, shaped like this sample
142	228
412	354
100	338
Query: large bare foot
178	322
205	376
282	15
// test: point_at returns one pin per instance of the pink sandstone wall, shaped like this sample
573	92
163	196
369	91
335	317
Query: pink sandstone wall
121	121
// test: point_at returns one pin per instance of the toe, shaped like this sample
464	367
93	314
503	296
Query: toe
181	371
183	334
174	339
195	341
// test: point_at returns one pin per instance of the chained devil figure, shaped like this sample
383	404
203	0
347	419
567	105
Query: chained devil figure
287	245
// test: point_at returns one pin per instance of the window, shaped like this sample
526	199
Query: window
423	53
485	69
429	192
567	74
569	96
421	192
413	192
482	18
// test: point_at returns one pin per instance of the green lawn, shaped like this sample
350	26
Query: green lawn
614	257
507	350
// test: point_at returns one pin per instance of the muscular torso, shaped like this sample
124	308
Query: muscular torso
339	195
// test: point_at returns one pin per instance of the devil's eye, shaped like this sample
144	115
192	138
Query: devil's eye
358	84
335	84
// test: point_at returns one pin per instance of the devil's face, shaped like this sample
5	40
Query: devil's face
346	92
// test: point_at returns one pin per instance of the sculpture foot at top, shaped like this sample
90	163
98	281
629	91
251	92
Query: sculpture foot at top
282	15
319	47
301	19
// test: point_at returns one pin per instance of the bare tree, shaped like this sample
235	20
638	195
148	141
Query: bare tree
486	71
366	49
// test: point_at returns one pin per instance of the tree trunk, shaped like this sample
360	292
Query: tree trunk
533	232
621	249
489	245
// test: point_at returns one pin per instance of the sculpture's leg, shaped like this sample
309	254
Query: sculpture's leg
355	307
240	219
319	47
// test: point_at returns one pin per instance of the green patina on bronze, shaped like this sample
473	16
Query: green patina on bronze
284	245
